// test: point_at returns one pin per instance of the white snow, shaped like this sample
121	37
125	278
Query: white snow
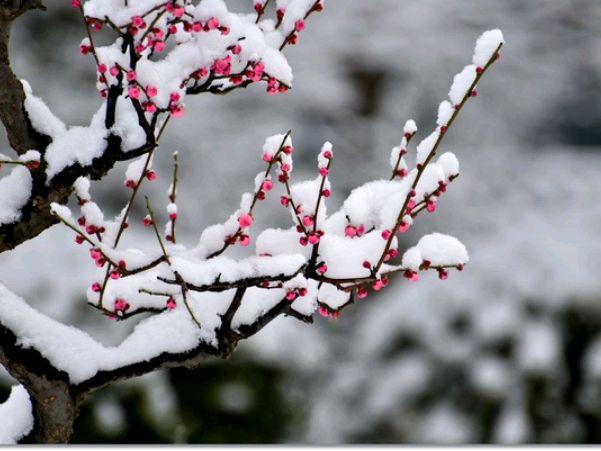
426	145
78	145
15	189
16	419
486	45
462	83
40	115
71	350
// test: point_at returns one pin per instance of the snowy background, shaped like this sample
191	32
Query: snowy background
508	350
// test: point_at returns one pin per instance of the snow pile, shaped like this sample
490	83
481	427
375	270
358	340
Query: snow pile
16	420
15	190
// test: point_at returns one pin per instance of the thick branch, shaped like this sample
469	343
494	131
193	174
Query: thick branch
54	406
21	135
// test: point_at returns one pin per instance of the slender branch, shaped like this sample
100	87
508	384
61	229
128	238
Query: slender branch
273	161
432	153
173	194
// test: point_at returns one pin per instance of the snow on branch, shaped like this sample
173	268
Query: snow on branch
203	301
162	51
321	263
16	419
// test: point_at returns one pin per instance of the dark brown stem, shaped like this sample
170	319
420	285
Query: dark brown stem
432	153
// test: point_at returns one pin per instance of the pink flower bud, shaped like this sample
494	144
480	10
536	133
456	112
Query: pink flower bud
323	172
307	221
245	220
324	312
159	46
150	107
442	274
326	193
130	184
431	206
79	239
151	91
299	25
403	227
267	157
96	287
350	231
313	239
284	201
291	296
115	274
147	221
322	269
131	75
151	175
114	71
361	293
377	285
244	240
267	185
134	92
411	275
137	21
121	305
386	234
178	12
213	23
170	304
177	111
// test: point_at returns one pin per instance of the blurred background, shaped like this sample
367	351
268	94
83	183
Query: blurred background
507	351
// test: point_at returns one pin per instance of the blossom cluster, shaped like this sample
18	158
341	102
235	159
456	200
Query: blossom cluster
321	263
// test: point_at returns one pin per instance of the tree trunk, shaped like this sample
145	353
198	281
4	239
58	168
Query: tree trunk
54	411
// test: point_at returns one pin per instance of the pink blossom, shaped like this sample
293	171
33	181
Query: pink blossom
313	239
307	221
170	304
151	91
350	231
267	185
134	92
245	220
212	23
403	227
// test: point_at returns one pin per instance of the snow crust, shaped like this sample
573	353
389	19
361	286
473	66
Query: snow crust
16	419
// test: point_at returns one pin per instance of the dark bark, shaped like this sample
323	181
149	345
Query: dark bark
54	407
21	136
56	401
